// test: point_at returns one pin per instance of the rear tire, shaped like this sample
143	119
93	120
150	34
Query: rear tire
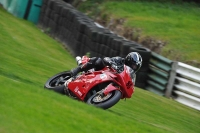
114	97
56	83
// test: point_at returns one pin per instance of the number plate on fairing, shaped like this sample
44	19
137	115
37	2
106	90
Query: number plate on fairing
103	76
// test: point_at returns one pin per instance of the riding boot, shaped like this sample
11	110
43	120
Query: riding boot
87	66
75	71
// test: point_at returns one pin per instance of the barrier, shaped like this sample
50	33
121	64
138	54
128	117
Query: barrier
186	88
159	75
5	3
26	9
188	72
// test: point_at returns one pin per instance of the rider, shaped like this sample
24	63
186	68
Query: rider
133	60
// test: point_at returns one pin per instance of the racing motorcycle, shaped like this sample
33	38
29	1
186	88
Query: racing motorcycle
102	88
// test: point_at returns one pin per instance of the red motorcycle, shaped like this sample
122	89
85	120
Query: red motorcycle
103	88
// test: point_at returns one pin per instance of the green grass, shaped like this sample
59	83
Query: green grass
176	24
29	57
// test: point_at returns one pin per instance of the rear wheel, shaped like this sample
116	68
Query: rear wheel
106	101
56	82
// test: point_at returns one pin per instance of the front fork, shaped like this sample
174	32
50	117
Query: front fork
66	90
108	89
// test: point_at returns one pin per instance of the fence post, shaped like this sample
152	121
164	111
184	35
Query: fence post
171	80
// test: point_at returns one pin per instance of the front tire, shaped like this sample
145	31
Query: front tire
56	83
105	102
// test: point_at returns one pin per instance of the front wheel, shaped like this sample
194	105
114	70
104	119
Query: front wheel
106	101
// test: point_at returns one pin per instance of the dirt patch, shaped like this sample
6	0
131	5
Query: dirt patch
153	44
135	34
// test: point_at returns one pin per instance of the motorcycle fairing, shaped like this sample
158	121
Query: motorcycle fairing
85	82
126	82
109	89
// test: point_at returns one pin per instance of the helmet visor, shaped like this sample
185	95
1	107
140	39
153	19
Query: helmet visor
134	66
